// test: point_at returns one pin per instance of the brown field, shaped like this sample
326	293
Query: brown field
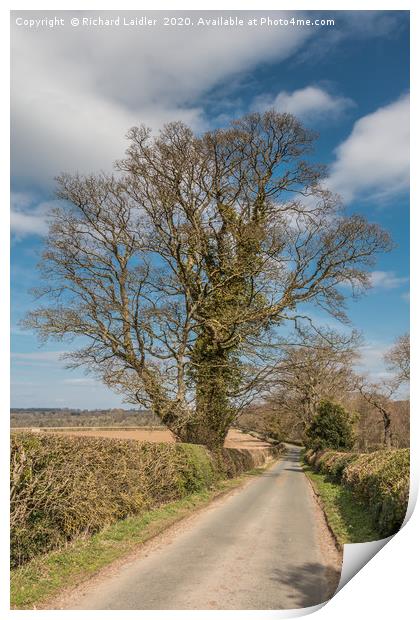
235	438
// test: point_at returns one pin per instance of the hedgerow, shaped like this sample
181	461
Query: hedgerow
380	479
334	463
65	486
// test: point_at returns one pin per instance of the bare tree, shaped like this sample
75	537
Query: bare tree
178	269
398	359
380	394
317	367
370	421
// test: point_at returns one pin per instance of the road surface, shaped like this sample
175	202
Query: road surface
264	546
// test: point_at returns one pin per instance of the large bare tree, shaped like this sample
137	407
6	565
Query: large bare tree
178	269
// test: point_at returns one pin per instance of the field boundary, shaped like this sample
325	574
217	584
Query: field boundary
55	429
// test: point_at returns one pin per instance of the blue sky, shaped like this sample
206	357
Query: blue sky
76	91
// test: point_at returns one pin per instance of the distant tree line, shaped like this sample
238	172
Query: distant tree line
39	418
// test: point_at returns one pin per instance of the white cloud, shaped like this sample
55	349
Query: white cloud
76	92
386	279
372	364
309	103
374	159
27	217
23	224
371	361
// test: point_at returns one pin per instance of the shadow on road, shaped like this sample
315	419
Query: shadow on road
294	459
310	583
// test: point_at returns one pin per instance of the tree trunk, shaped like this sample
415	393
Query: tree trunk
387	429
200	433
215	373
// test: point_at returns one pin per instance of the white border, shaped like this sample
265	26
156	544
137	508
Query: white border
387	586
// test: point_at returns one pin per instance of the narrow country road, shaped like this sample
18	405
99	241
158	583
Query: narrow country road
263	547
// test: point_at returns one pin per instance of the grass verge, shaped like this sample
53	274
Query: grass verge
347	517
33	584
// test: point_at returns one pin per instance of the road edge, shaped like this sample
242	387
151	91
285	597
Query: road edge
320	503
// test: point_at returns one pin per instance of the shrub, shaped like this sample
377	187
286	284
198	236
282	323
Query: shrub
64	486
331	428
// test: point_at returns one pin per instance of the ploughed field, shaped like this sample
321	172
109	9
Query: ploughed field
235	438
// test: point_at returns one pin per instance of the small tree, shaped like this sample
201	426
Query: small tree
331	428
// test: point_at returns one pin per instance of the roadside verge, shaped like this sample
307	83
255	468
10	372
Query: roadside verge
346	517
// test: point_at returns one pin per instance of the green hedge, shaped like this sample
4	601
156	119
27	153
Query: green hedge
380	479
330	462
65	486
